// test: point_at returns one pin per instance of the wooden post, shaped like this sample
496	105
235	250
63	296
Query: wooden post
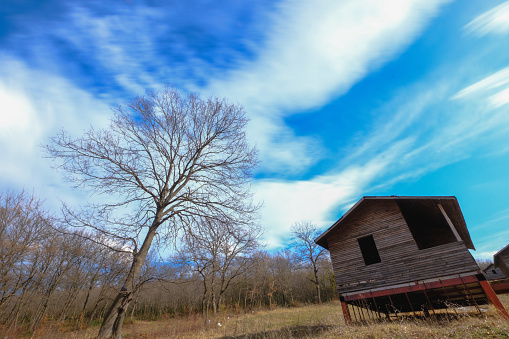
377	310
361	309
410	303
493	298
346	311
470	296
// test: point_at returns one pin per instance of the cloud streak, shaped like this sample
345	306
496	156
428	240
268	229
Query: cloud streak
494	87
297	58
421	131
494	21
316	51
35	105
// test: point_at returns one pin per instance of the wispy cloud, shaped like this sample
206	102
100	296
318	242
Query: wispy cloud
35	105
494	89
125	47
493	236
296	58
421	130
306	54
317	51
320	199
494	21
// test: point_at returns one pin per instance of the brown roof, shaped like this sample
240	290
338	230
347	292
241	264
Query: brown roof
449	203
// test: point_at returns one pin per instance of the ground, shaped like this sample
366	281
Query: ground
312	321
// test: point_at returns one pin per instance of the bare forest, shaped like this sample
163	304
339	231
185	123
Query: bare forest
171	230
51	274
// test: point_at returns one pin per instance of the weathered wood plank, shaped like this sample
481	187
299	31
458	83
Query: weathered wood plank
402	261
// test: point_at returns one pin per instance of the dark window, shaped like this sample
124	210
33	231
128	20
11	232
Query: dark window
426	223
369	250
494	272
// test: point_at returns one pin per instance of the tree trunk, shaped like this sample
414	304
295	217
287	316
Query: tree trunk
203	299
317	285
134	305
43	306
71	298
214	302
112	323
82	313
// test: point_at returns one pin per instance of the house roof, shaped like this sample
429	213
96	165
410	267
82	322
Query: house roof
449	203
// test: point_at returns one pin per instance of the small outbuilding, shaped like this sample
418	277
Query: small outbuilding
395	255
500	281
501	260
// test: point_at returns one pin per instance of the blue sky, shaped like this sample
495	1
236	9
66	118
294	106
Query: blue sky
346	98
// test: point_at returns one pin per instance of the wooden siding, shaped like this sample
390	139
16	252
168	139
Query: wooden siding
402	261
491	272
502	260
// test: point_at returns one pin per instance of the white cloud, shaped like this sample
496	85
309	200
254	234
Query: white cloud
501	98
35	105
319	199
495	88
495	21
317	51
314	51
419	131
287	202
484	255
493	234
281	150
320	49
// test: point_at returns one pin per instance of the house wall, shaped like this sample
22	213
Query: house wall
493	272
401	260
502	261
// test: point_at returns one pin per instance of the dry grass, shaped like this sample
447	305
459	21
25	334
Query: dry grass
315	321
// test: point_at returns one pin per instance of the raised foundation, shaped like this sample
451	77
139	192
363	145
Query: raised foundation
421	298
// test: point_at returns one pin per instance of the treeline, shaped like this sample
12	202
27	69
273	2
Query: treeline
52	272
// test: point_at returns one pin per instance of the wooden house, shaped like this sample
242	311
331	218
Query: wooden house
501	265
501	260
394	255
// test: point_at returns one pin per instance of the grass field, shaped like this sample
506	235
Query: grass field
313	321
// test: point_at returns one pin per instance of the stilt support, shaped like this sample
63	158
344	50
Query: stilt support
493	298
346	311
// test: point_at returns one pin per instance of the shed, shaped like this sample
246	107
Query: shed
395	254
500	283
501	260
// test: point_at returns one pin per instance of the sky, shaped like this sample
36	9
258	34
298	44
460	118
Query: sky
345	98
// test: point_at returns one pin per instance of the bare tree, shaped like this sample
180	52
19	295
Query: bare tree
164	162
21	228
307	251
483	263
219	252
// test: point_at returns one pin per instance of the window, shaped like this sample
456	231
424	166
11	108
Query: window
426	222
369	250
494	272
